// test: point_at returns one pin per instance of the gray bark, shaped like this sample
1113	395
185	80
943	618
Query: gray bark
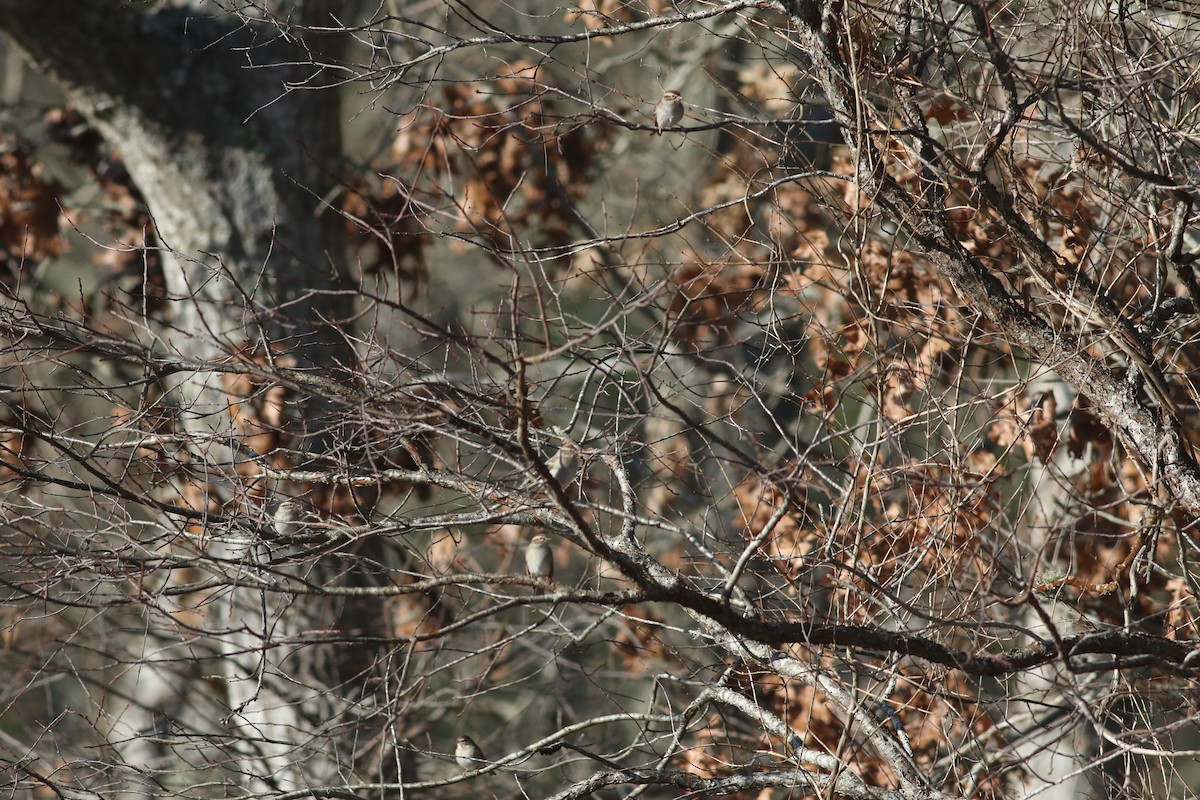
227	131
231	149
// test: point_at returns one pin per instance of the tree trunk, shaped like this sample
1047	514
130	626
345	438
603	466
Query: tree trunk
234	149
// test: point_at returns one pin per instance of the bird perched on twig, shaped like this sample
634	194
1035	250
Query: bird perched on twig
564	464
668	112
539	557
289	517
467	754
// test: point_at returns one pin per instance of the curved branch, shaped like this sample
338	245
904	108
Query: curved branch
1157	443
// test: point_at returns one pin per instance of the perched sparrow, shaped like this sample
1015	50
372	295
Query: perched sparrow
539	558
289	517
565	463
467	754
668	112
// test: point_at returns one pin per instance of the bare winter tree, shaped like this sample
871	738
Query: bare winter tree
669	399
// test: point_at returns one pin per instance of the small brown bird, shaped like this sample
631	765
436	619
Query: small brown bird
289	517
539	557
564	464
668	112
467	754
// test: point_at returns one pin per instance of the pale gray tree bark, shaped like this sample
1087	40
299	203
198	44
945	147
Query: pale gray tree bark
232	134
